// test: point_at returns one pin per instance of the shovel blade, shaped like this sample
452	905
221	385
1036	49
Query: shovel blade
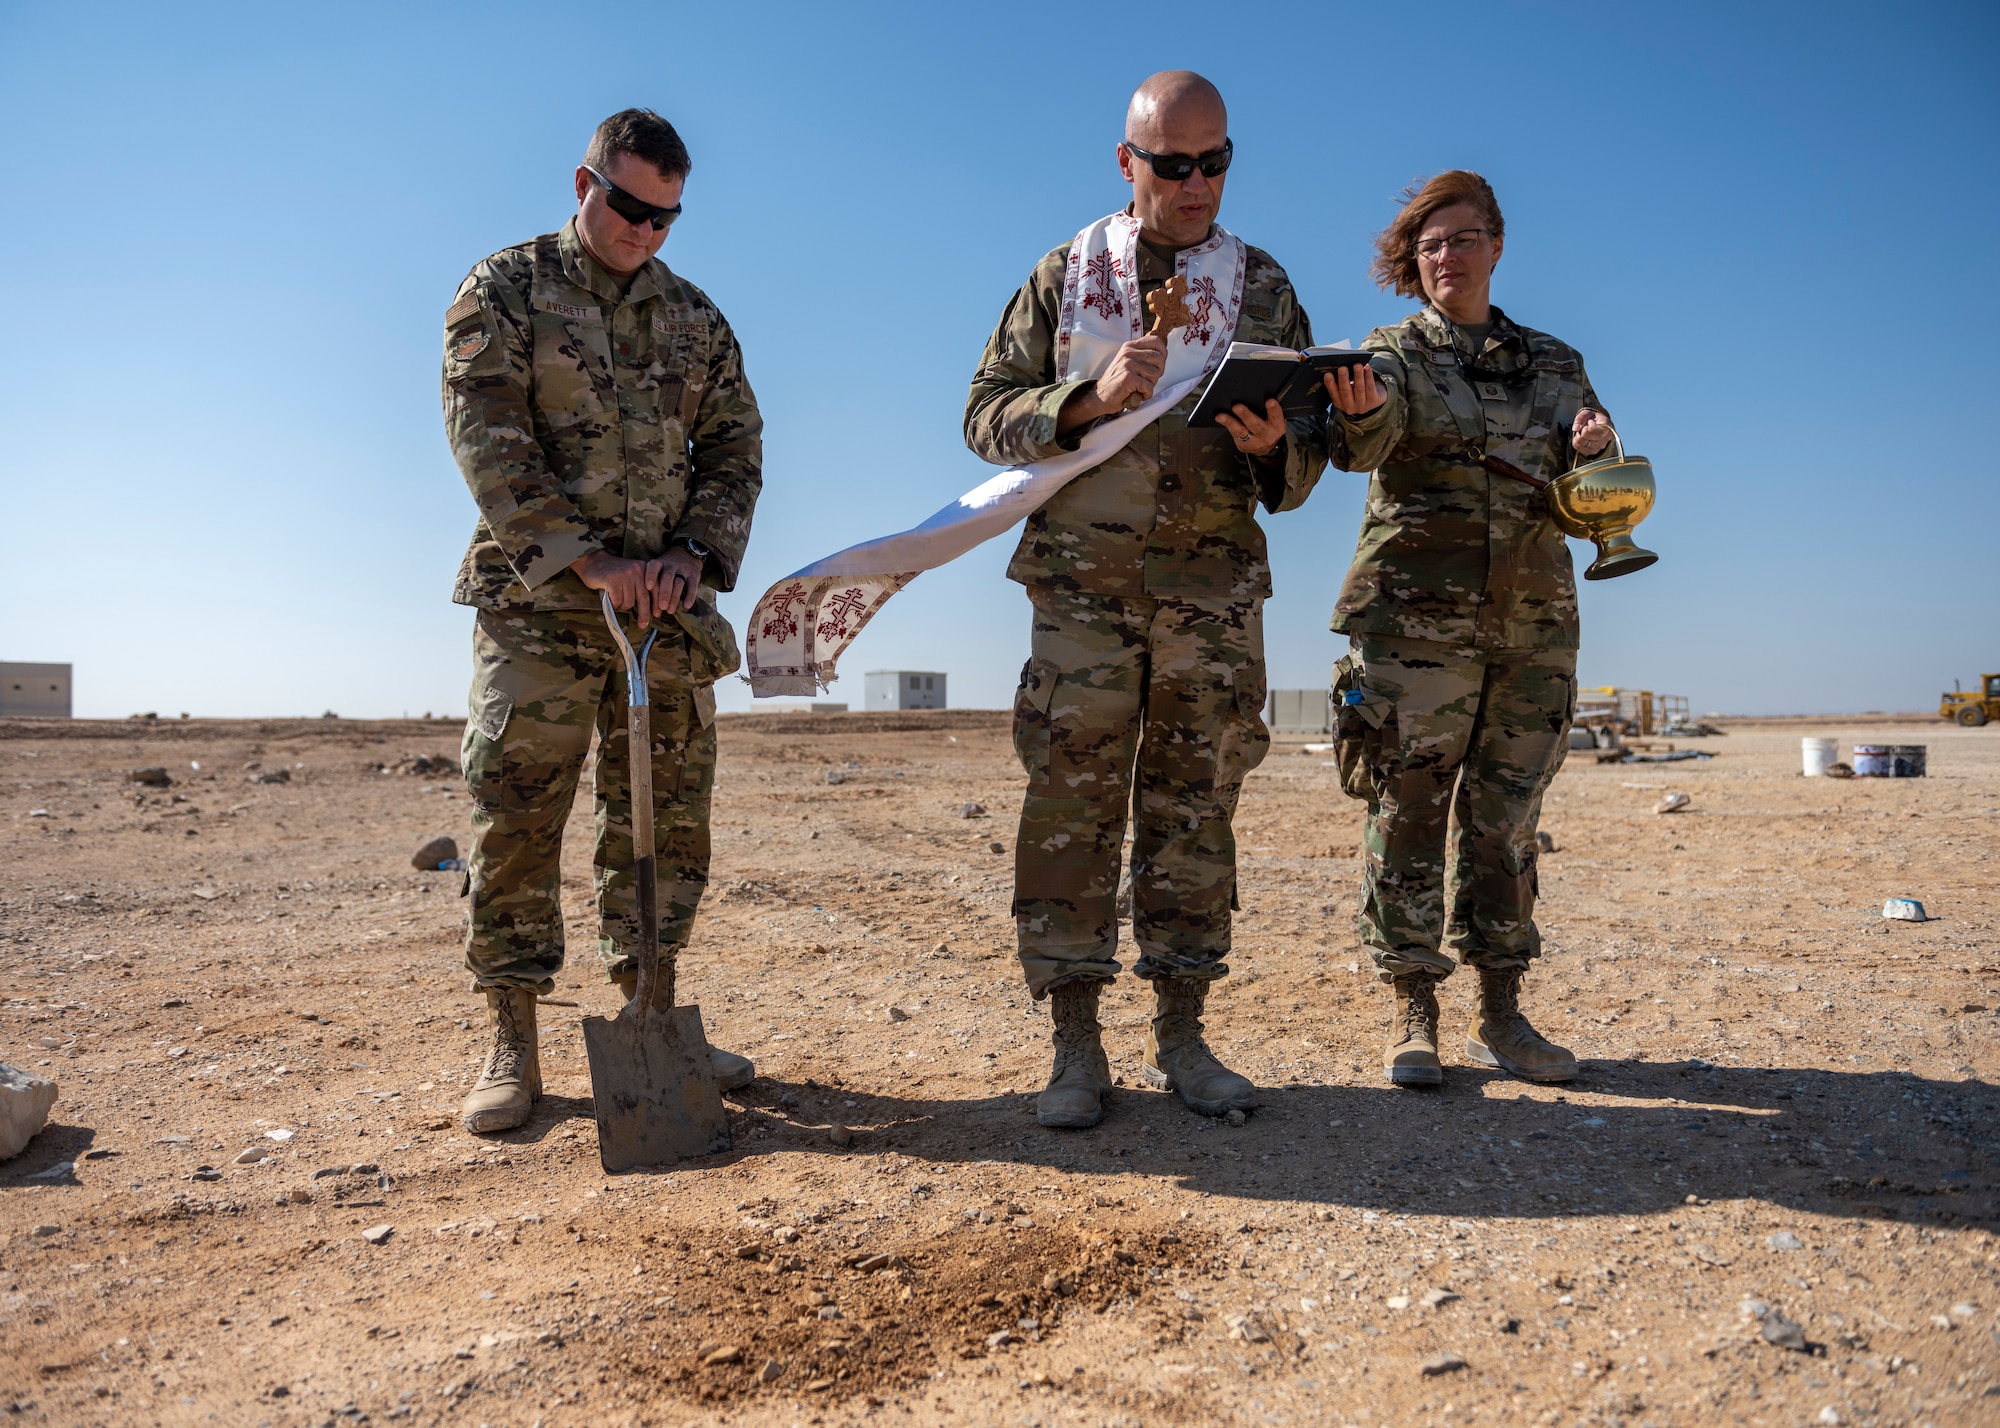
654	1087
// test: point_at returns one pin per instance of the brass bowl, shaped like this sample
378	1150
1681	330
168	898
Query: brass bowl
1601	502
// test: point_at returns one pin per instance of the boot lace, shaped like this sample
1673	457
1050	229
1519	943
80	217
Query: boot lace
1180	1031
1074	1012
1420	1015
1501	996
509	1060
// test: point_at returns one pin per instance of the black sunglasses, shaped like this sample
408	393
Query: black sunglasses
1178	166
632	208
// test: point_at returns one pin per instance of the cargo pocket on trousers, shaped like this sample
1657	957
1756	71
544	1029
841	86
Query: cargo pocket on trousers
483	750
1361	729
1246	739
1562	735
1031	717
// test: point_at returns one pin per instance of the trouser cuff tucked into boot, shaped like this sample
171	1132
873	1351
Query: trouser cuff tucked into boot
511	1080
1178	1059
1074	1097
1503	1037
732	1072
1411	1057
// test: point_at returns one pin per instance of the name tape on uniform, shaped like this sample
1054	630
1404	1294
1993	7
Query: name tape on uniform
564	309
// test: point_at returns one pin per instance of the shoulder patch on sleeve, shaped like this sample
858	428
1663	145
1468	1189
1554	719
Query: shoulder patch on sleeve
469	344
466	306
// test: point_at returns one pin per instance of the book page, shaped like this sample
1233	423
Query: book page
1259	352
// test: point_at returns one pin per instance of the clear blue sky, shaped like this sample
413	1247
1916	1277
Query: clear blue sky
231	233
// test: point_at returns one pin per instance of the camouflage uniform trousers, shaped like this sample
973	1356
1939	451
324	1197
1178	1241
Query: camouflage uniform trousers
1473	739
1164	694
544	681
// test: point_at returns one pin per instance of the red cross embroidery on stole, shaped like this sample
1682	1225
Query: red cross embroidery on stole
1104	270
839	608
1206	302
784	621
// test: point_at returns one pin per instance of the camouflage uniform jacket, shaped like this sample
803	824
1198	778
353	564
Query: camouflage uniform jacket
588	419
1172	514
1448	550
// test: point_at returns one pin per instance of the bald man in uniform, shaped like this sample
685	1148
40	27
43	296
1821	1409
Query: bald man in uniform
1147	577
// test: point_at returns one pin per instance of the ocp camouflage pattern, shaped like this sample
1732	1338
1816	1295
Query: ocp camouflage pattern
1171	514
1458	769
1118	690
1449	550
544	682
588	419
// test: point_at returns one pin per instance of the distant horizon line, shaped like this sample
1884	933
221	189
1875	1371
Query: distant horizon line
802	707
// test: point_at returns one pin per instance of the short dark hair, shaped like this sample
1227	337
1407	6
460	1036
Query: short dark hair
1395	263
642	134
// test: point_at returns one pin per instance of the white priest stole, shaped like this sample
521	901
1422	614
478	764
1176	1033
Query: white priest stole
803	623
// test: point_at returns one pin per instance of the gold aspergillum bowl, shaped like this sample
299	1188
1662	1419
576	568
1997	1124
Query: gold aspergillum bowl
1601	502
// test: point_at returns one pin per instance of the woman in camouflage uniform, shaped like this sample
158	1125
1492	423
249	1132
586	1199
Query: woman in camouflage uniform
1455	703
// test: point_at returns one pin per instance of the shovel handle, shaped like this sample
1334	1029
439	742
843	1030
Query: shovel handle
645	869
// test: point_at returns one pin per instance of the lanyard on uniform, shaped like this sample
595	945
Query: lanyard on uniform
1475	434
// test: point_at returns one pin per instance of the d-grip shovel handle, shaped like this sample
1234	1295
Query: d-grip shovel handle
645	871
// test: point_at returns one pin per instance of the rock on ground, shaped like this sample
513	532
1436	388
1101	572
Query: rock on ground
24	1108
441	849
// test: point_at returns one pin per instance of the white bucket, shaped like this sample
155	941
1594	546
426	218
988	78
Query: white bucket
1820	755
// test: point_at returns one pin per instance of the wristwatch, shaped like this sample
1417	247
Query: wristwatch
696	549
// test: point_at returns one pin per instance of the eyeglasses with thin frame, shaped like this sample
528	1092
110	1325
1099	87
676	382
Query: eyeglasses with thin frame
1176	167
1460	243
631	207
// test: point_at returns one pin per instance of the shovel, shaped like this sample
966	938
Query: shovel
650	1071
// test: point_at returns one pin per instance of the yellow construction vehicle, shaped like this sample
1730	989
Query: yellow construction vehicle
1972	707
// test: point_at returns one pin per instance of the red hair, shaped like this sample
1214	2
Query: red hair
1395	264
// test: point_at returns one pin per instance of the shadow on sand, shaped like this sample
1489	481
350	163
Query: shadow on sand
1863	1143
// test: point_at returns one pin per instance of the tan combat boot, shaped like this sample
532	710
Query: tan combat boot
1502	1036
511	1081
1411	1058
1075	1094
1178	1059
732	1072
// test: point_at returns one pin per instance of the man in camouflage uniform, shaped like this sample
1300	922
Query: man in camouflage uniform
598	409
1455	703
1147	575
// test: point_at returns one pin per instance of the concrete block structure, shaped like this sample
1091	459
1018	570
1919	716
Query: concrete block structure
34	691
1298	711
904	689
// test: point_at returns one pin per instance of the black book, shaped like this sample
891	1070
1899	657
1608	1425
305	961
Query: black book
1253	373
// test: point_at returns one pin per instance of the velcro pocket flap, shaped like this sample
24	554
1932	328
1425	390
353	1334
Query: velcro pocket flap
1038	685
712	649
1372	707
495	707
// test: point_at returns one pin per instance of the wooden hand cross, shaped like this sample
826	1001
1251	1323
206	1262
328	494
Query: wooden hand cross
1169	312
1167	306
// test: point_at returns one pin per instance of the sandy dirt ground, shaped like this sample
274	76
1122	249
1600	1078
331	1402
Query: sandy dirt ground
1770	1198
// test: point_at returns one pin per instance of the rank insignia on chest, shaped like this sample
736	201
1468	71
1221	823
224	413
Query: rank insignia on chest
469	344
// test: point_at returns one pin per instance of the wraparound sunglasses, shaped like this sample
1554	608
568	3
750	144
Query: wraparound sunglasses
631	207
1176	167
